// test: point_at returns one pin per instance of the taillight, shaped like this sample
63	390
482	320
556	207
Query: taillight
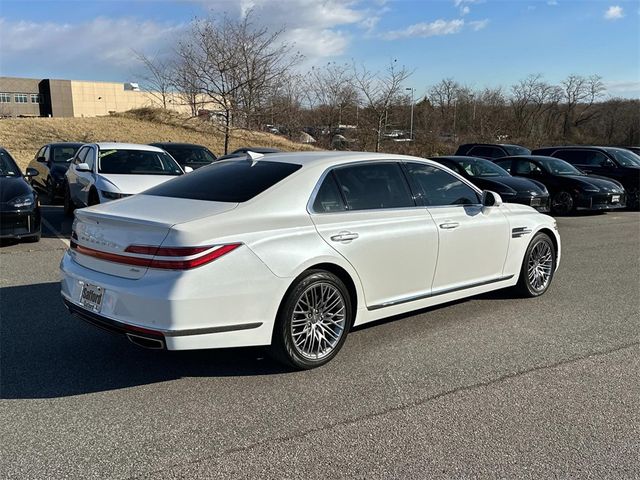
172	258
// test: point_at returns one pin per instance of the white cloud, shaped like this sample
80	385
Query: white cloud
479	24
91	48
553	3
623	88
614	12
465	10
463	5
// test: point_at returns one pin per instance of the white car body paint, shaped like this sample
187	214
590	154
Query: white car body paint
402	260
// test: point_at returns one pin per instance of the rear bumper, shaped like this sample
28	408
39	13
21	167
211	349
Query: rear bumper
231	302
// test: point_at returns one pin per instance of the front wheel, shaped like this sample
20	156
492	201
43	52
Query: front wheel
313	321
538	266
562	203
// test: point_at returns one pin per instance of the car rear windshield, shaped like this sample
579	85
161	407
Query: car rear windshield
138	162
64	154
233	181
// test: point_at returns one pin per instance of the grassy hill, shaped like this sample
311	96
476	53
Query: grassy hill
24	136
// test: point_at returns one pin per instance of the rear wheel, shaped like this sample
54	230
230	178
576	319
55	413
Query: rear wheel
313	321
562	203
69	206
538	266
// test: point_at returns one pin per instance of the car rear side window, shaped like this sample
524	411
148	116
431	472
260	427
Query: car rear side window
328	198
440	188
374	186
232	181
582	157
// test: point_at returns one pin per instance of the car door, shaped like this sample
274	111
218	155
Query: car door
86	179
40	167
72	175
473	240
366	212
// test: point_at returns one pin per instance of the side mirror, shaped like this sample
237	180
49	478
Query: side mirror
188	169
491	199
31	172
41	160
83	167
608	163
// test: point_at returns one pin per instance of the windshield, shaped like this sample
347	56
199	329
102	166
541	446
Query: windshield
186	156
517	150
625	158
137	162
559	167
482	168
8	167
64	154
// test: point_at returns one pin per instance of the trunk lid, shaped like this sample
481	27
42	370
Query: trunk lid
139	220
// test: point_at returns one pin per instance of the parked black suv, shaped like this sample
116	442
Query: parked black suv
611	162
491	150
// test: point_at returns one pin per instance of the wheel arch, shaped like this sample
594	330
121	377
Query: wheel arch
553	238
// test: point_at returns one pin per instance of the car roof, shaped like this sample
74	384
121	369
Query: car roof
176	144
126	146
64	144
527	157
458	158
492	145
330	158
257	150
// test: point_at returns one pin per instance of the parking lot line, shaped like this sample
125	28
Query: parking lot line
54	231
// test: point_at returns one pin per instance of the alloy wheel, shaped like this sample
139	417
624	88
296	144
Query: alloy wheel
540	265
318	321
562	203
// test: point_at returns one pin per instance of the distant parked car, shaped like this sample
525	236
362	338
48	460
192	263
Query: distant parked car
570	188
51	162
241	152
487	175
611	162
635	150
101	172
19	204
187	154
491	150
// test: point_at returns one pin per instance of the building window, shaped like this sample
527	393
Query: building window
36	98
5	98
20	98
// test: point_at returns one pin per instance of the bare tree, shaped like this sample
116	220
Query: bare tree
157	77
579	94
235	64
379	91
532	99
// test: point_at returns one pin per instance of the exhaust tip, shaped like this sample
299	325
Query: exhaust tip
146	342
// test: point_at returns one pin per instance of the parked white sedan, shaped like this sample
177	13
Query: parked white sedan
293	249
101	172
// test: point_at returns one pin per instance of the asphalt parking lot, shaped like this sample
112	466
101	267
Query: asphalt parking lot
491	387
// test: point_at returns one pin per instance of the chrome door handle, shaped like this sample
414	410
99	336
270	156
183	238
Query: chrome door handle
449	225
344	237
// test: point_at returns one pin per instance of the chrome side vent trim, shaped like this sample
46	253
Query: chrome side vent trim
520	232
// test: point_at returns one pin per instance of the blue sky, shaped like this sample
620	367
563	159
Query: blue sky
477	42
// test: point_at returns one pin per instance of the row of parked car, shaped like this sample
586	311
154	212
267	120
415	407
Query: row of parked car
559	180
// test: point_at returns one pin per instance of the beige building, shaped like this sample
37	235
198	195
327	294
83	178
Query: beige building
26	97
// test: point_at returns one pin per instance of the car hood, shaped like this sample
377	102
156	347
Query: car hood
12	187
601	182
131	184
519	184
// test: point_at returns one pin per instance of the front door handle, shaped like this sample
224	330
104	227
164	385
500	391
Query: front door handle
344	237
449	225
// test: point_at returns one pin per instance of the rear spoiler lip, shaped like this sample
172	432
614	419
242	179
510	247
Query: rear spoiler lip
84	214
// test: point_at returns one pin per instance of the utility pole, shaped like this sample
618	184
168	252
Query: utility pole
412	93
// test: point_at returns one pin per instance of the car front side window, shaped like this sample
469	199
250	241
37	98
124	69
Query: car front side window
440	188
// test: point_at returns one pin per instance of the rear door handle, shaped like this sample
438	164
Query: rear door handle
344	237
449	225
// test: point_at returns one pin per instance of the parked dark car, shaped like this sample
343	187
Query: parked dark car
616	163
51	162
487	175
491	150
241	152
570	189
19	203
635	150
187	154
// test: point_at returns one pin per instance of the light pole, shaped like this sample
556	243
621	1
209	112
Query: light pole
412	92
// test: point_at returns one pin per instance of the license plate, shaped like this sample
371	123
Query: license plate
536	202
91	297
615	198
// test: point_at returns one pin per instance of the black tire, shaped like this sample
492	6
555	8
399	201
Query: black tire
94	199
633	198
50	190
33	238
526	286
69	206
283	346
563	203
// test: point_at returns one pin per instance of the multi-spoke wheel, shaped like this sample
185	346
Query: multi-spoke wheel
538	266
562	203
313	321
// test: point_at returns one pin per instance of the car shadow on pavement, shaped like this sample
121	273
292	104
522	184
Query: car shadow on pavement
47	353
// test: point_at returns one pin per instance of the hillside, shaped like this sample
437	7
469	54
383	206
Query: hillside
24	136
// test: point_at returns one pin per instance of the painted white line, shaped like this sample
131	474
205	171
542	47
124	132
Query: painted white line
54	231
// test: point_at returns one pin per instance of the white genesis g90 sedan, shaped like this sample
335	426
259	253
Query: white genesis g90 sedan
293	249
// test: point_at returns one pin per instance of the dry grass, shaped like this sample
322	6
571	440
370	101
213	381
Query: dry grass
22	137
